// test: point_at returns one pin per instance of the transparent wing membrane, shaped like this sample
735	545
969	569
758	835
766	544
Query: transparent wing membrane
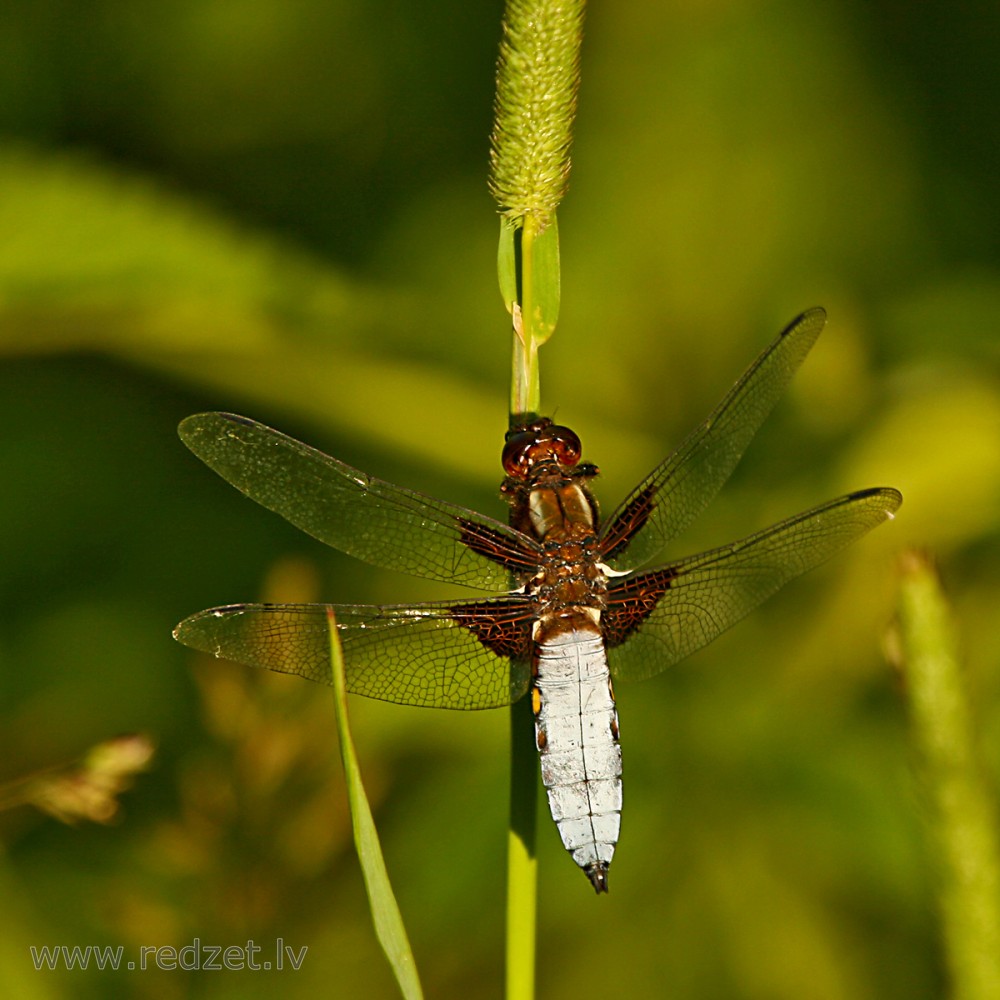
426	654
658	617
365	517
680	488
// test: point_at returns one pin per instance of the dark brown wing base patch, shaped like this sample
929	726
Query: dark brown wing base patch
628	523
504	630
631	601
498	547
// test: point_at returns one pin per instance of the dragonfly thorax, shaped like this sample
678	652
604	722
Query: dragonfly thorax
553	509
570	577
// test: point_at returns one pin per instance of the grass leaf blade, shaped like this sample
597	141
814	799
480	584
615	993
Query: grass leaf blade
386	917
963	812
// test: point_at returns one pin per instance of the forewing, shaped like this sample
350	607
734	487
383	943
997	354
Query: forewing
462	656
679	489
365	517
656	618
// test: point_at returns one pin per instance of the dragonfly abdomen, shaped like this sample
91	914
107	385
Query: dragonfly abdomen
576	730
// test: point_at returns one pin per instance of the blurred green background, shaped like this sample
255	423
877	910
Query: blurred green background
280	208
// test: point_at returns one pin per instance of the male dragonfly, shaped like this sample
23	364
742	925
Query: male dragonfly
576	607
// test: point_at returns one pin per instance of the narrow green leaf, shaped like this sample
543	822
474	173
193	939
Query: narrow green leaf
962	809
528	265
507	263
545	281
536	269
386	917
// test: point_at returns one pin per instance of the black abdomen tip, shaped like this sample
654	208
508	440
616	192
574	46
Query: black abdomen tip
598	875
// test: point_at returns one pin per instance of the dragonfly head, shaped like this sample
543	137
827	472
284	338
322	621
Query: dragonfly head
539	443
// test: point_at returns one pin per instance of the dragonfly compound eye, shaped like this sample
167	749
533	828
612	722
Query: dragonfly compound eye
565	444
517	453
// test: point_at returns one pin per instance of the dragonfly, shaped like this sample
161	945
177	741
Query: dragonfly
566	602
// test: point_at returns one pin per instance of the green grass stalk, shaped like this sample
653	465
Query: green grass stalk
962	808
538	76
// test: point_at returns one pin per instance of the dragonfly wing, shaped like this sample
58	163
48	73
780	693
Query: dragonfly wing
656	618
365	517
679	489
438	655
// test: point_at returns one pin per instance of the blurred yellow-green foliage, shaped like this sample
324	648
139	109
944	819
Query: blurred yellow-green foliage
280	208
